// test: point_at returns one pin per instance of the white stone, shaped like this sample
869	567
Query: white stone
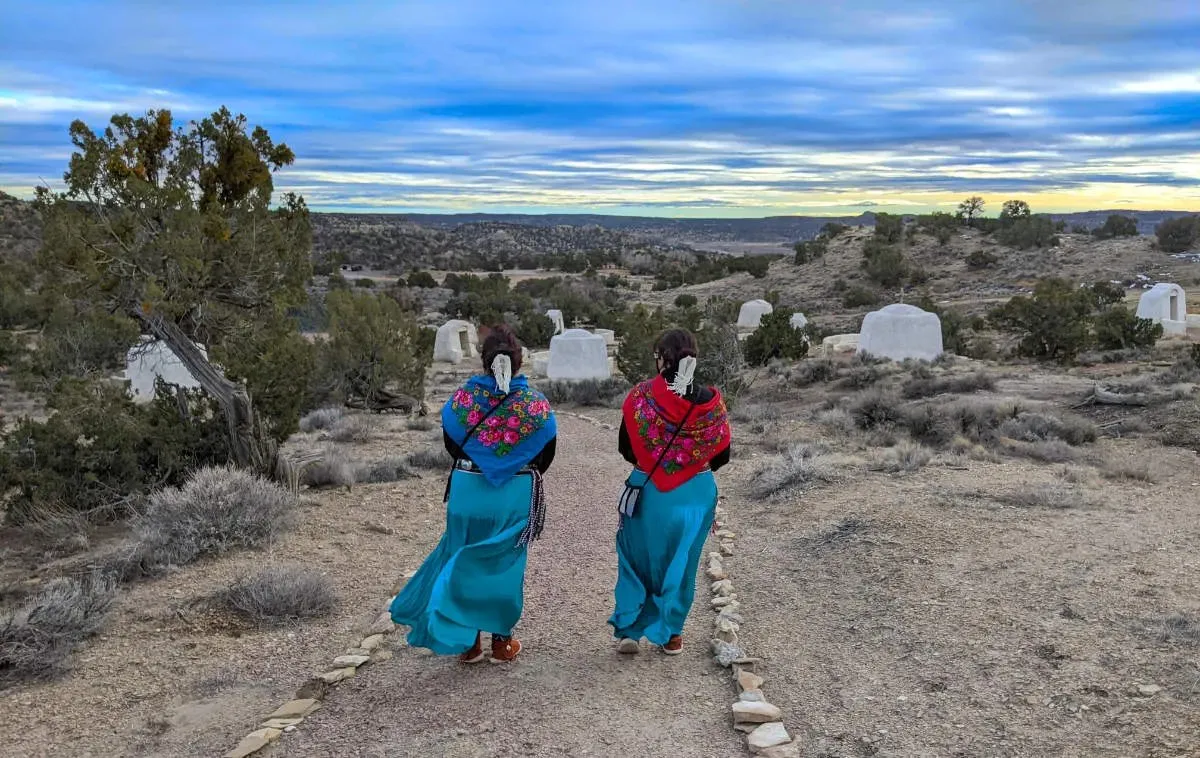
768	736
296	709
343	661
153	359
751	313
1165	304
578	354
798	321
455	342
556	316
539	362
726	653
716	571
722	587
755	713
748	680
899	332
839	343
337	675
610	337
383	624
253	742
752	696
1148	690
371	642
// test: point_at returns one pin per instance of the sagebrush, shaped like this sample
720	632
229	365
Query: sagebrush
282	593
37	637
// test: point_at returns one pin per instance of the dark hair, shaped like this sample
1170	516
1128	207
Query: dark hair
501	339
673	346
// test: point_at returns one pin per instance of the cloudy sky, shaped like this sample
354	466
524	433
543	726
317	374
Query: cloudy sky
698	108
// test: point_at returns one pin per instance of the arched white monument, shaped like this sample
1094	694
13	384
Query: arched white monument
1165	304
556	316
900	332
578	354
455	341
151	360
610	337
751	313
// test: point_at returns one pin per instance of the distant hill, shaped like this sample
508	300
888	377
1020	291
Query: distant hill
399	241
20	229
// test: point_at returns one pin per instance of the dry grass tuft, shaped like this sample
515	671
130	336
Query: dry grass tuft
797	467
1047	496
921	386
387	470
320	419
333	469
432	458
904	458
592	393
419	424
356	428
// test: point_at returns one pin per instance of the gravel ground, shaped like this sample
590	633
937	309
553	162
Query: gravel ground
569	694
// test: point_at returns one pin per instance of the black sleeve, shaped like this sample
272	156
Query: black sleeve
543	459
452	447
624	446
721	458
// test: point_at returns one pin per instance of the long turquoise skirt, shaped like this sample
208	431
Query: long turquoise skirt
474	580
658	552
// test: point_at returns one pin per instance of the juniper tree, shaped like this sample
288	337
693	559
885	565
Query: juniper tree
172	227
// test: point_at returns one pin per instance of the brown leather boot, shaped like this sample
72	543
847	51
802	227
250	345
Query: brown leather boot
674	645
504	650
475	654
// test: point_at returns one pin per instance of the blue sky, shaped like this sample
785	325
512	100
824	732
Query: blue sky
702	108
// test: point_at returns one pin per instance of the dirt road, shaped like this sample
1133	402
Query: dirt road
569	694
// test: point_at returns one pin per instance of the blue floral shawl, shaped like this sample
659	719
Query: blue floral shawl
511	437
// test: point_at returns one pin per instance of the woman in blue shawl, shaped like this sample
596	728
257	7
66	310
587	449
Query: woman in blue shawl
501	434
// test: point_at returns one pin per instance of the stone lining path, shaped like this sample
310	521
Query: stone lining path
570	693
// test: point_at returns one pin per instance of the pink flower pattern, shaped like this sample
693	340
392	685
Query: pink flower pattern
522	416
702	438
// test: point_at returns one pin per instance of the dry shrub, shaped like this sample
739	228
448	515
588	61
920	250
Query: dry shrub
1132	471
904	457
836	419
358	428
595	393
332	469
387	470
1047	451
1037	427
1179	628
432	458
798	466
418	424
282	593
813	371
756	417
37	638
876	408
217	510
861	377
1048	496
1077	475
920	387
320	419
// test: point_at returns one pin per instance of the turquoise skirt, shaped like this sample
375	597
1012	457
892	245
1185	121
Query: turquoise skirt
474	580
658	552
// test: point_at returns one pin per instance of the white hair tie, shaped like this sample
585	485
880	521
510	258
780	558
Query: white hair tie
683	376
502	371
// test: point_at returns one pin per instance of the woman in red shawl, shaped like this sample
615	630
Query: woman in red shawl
676	434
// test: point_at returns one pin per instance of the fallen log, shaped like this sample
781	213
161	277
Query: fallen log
1102	396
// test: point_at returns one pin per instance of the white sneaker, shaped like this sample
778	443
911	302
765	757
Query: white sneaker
626	646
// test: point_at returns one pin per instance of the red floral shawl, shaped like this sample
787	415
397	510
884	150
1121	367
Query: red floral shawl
652	412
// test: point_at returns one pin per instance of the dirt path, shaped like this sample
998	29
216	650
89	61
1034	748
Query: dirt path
569	693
